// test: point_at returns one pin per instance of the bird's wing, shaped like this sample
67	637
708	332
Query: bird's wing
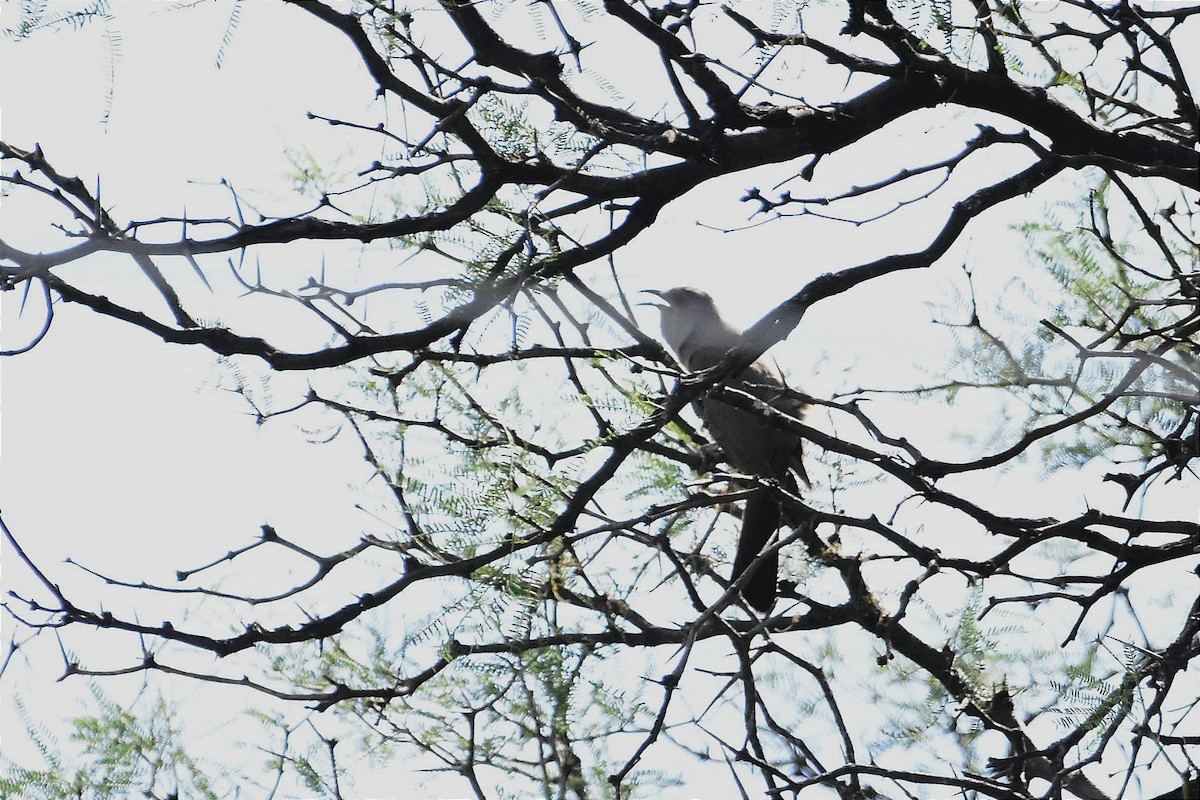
763	380
752	443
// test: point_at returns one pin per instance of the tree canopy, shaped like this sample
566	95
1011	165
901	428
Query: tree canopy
542	599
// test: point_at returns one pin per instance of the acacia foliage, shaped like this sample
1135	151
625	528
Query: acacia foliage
550	543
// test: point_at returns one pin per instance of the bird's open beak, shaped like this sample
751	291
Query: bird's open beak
652	303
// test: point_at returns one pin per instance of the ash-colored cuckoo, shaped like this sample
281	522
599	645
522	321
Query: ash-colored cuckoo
695	330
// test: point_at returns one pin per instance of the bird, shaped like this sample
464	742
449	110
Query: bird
695	330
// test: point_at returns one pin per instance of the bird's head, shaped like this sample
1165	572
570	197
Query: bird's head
680	300
688	316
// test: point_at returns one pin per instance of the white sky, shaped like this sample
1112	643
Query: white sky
125	453
118	450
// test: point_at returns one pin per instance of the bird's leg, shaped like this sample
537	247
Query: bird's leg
711	455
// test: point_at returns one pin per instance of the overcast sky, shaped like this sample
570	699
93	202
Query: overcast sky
133	457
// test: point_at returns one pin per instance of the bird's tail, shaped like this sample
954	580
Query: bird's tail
760	519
